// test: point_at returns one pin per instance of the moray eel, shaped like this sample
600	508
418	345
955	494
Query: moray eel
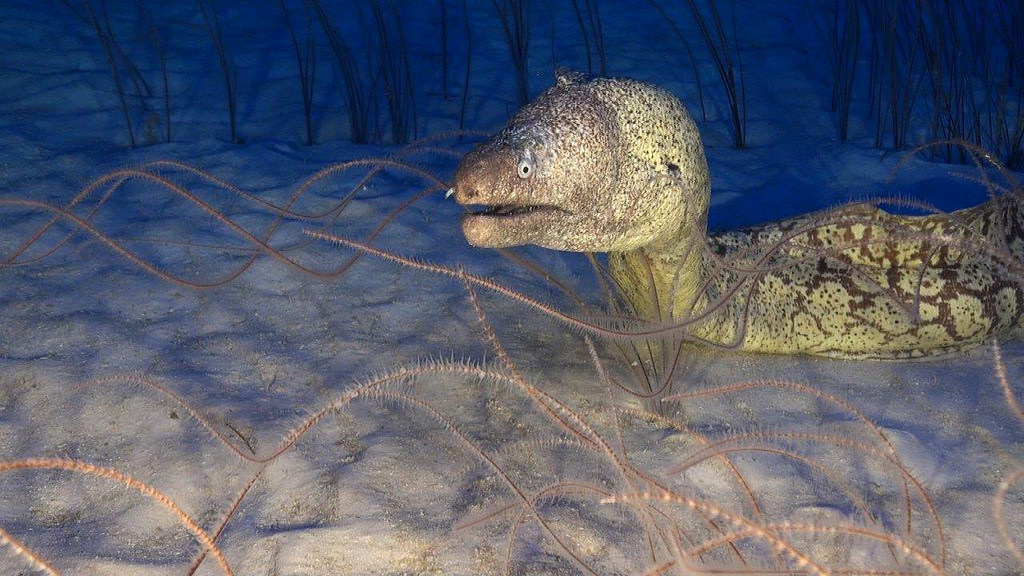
617	166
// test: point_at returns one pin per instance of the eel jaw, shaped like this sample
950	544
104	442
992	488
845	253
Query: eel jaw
505	225
511	211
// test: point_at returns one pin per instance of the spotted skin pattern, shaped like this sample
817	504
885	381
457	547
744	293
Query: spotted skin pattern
617	166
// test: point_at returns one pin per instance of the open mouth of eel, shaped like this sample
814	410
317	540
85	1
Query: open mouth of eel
505	225
513	210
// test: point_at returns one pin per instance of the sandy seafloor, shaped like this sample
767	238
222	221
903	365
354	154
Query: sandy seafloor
379	486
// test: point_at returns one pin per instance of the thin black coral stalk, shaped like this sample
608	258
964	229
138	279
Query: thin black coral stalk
843	41
358	94
469	67
104	34
212	24
730	71
305	58
395	72
515	24
689	54
443	17
597	31
153	34
588	18
895	68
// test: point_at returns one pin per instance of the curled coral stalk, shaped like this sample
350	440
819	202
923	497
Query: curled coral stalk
157	496
999	500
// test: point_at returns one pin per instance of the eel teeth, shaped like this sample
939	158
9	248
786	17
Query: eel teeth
505	210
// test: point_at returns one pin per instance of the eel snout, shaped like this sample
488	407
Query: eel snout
479	176
503	213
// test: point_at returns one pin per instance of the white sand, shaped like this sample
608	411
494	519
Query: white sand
378	487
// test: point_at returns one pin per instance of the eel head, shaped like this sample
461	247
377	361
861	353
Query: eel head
602	165
545	178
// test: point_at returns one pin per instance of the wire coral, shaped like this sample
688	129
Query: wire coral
628	457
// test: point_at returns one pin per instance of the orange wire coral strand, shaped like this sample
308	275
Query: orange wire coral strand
145	489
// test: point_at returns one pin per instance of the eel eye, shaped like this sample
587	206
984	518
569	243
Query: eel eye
525	168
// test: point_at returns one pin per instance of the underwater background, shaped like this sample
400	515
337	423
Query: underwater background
194	380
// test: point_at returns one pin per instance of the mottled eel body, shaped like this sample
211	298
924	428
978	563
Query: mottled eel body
617	166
